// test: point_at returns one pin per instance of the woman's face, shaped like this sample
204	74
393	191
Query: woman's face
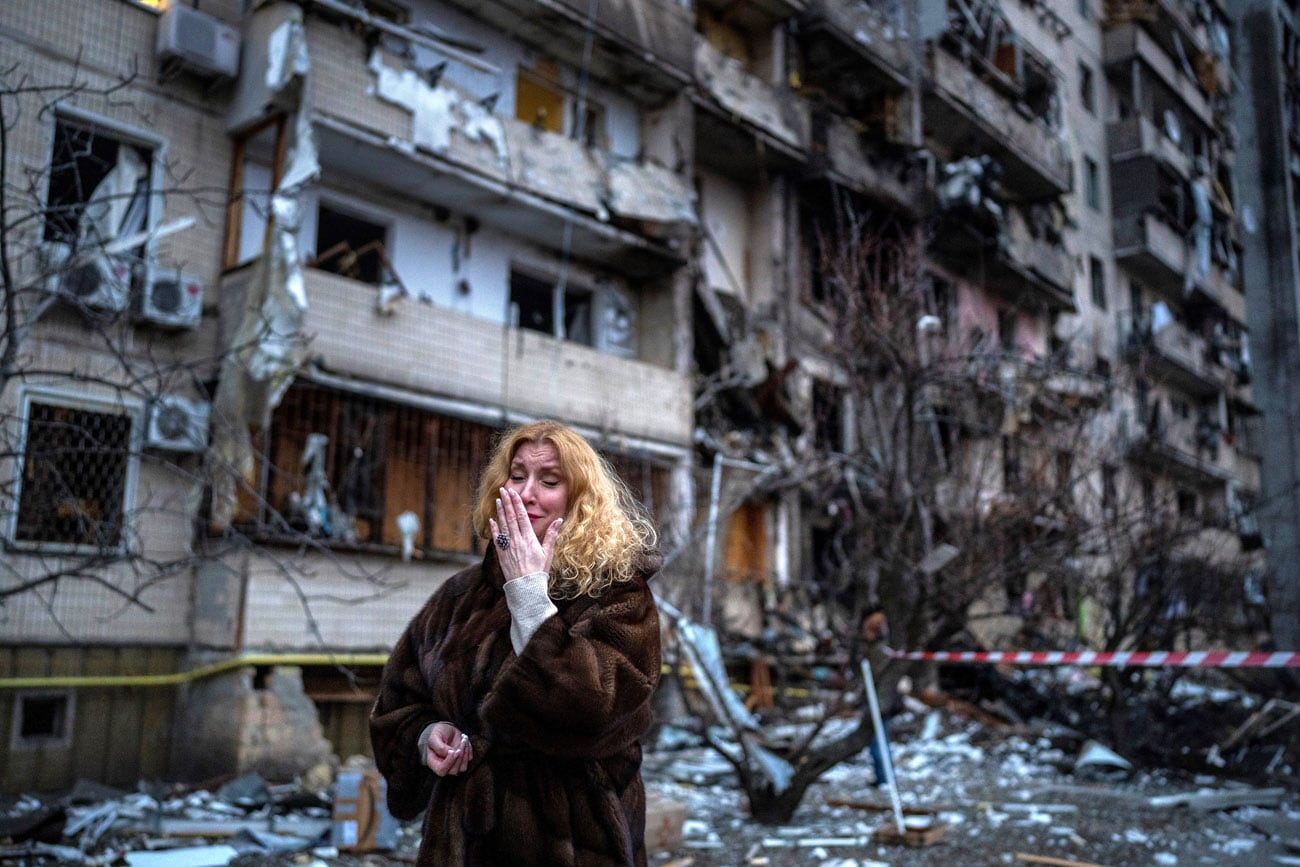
535	475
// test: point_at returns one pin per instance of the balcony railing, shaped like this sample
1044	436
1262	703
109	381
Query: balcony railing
840	35
1179	357
1131	42
1005	257
966	110
1139	137
772	111
427	350
1152	250
1182	447
385	125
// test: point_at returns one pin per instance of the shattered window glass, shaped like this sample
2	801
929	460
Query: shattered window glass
75	465
99	186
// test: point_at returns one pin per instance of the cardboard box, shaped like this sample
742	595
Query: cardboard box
362	822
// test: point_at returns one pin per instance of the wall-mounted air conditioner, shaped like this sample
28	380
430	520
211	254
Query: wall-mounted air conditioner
613	322
96	280
177	424
198	42
171	299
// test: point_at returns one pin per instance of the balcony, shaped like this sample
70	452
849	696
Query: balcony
1172	445
843	39
1130	43
1176	356
1005	257
1138	137
745	124
643	47
385	127
838	156
486	366
964	110
1151	250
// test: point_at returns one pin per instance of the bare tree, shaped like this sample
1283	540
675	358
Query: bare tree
982	483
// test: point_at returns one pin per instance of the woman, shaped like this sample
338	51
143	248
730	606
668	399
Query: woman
513	704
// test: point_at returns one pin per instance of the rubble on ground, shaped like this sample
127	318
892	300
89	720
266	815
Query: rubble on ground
986	791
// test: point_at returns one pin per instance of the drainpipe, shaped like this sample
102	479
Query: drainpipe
180	677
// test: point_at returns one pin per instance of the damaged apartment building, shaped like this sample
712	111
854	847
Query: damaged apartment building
329	247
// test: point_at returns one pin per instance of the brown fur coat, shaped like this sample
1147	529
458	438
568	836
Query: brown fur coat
556	775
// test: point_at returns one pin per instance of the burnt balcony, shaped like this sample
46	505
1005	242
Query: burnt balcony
999	251
477	362
1138	138
743	123
965	109
1176	356
1131	43
386	127
841	155
853	44
641	46
1186	449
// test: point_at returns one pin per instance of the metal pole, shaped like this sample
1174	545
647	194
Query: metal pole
882	744
710	546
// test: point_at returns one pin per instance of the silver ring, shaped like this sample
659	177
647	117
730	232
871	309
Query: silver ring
503	541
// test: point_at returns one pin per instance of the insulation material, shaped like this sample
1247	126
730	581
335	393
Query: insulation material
541	162
268	345
748	97
436	111
649	192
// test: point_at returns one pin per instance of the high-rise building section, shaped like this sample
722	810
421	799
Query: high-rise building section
1267	45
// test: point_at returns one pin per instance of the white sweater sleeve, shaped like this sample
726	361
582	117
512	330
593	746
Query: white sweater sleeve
529	607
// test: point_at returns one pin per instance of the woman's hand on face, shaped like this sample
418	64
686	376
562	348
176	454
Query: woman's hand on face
448	751
524	553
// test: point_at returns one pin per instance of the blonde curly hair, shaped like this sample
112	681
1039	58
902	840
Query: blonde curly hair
605	531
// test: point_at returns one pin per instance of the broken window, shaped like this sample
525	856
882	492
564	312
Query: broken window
100	186
364	462
42	719
603	318
1097	274
350	246
376	461
542	100
1188	504
75	475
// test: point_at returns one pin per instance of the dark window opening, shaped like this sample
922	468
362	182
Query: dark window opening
1187	504
1007	330
1097	273
350	246
828	416
1087	89
1092	183
42	718
1109	491
532	301
1011	475
99	187
75	465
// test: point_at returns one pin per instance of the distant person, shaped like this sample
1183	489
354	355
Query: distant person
512	707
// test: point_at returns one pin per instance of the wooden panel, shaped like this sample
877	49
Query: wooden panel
156	707
745	553
93	738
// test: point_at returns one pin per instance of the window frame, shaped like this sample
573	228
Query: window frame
123	134
132	408
18	743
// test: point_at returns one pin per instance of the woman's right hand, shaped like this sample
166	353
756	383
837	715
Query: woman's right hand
448	751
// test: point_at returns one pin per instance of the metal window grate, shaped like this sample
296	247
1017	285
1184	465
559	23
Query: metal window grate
74	476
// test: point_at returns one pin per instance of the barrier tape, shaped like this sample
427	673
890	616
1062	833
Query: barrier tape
1115	659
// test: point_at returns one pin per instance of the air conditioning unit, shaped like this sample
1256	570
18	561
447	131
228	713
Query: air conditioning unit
613	322
177	424
97	281
198	42
171	299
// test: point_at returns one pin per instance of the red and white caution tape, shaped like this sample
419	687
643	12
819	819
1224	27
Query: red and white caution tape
1118	659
